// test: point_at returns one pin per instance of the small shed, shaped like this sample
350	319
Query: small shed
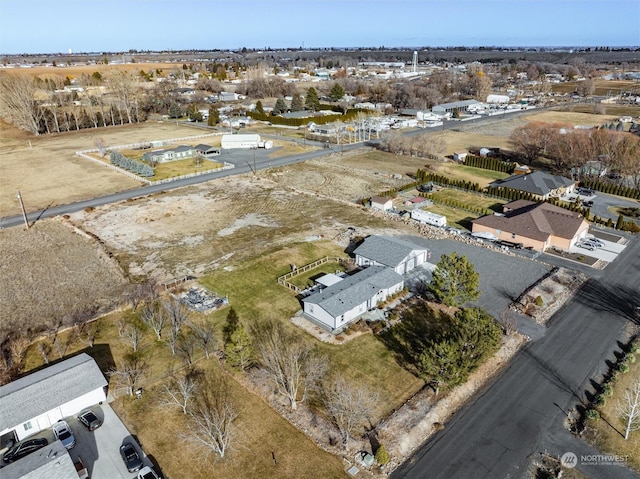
381	203
460	156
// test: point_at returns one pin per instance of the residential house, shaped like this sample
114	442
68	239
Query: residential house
381	203
395	253
35	402
346	299
206	150
181	152
50	462
540	184
535	225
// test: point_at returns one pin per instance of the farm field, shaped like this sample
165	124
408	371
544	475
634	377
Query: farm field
47	172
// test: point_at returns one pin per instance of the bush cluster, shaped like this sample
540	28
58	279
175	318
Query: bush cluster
489	163
612	189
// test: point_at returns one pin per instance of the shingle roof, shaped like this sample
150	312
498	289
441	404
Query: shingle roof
537	183
354	290
537	221
386	250
50	462
48	388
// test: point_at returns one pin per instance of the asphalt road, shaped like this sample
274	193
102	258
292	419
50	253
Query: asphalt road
245	161
521	413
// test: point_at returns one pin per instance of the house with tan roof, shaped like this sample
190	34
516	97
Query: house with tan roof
535	225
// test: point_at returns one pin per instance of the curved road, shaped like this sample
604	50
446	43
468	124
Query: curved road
521	414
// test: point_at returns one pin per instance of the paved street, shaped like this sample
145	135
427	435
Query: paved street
521	412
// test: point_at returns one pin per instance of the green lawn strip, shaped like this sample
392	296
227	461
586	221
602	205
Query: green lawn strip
470	199
456	217
609	431
468	173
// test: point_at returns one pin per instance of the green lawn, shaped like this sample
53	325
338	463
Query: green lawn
307	278
472	199
456	218
468	173
172	169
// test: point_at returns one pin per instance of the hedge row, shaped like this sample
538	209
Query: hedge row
351	114
137	167
612	189
489	163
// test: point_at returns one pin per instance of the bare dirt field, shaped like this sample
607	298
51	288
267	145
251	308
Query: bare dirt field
75	71
47	172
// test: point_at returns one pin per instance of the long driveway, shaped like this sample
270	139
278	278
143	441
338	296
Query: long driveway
521	413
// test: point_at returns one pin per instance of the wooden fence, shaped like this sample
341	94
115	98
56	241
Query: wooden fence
283	280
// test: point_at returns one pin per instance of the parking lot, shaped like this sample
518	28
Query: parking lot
100	449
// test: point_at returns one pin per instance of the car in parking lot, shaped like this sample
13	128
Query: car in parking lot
596	244
89	419
24	448
130	457
587	204
148	473
586	246
63	433
593	239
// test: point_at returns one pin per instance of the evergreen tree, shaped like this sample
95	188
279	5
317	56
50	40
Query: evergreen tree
214	116
259	107
280	107
620	222
239	348
312	102
337	92
175	111
455	281
230	326
297	104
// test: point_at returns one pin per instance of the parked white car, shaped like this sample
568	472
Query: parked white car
63	433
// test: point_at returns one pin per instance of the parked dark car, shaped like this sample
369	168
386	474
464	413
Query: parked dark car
21	449
130	457
89	419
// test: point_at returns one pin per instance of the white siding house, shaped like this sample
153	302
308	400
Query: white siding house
381	203
35	402
343	302
240	141
399	255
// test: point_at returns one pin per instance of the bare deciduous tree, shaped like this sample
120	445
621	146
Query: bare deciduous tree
204	336
153	316
18	104
133	333
293	366
629	408
186	346
350	405
212	418
180	392
129	373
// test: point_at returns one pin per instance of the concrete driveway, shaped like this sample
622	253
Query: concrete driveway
609	252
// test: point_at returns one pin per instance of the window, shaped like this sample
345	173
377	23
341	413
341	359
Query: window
27	425
311	308
498	232
513	236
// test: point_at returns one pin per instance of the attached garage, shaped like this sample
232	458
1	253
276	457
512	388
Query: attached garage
35	402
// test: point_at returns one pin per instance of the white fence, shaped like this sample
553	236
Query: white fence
154	144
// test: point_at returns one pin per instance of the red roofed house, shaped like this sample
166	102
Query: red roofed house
535	225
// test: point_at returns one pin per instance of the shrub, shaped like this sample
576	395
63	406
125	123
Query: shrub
607	390
382	456
539	301
339	337
600	400
624	368
592	414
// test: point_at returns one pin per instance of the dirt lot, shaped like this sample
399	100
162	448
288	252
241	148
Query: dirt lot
47	172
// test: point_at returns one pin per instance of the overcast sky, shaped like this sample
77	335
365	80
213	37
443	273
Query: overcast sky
48	26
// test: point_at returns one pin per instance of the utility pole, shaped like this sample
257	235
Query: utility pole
24	213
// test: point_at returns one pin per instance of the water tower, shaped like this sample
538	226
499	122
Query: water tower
415	62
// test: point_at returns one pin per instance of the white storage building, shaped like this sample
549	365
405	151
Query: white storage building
230	142
35	402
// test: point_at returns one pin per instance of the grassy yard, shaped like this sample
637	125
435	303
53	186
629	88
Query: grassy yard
307	278
456	217
172	169
472	199
608	432
468	173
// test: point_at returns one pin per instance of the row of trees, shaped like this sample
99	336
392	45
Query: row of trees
570	149
137	167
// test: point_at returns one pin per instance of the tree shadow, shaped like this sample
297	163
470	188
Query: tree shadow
420	325
621	300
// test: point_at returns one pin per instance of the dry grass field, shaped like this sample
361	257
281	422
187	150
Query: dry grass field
76	71
47	172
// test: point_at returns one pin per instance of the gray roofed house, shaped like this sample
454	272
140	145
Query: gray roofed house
50	462
395	253
461	106
180	152
34	402
538	183
343	302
